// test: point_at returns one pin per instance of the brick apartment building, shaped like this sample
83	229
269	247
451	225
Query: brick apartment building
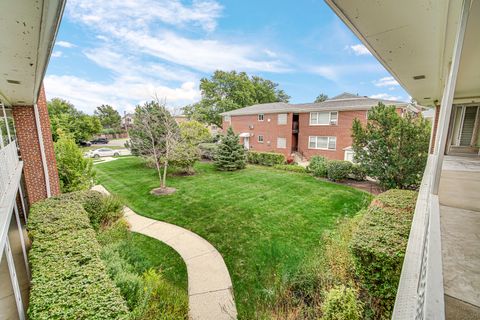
309	129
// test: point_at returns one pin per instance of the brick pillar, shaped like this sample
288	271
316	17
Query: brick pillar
435	128
27	137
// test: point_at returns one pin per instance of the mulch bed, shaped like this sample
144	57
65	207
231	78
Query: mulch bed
163	191
368	186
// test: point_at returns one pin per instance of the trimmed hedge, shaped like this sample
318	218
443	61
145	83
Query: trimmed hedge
378	246
358	172
338	170
290	167
69	280
265	158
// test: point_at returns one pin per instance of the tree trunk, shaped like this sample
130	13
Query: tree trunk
159	172
165	167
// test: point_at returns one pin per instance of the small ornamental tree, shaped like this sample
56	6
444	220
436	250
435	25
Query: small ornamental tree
154	135
230	155
393	149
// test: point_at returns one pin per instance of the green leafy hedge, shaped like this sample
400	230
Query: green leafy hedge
338	170
69	281
318	166
290	167
379	245
265	158
342	303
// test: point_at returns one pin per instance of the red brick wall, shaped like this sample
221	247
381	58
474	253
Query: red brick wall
343	132
269	128
27	137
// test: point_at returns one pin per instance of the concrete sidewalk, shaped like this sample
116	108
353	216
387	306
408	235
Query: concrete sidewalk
210	292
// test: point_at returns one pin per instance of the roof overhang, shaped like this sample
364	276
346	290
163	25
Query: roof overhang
27	36
414	41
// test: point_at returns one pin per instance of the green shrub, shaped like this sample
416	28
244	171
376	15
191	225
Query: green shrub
208	150
318	166
341	303
160	300
74	171
101	209
358	172
379	245
338	170
69	280
230	155
289	167
265	158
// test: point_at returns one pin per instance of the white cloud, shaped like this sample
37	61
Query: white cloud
139	27
386	96
121	93
337	71
203	13
359	49
65	44
386	82
57	54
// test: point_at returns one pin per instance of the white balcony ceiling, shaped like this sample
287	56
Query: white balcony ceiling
27	34
415	38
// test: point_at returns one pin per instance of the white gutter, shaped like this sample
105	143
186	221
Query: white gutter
42	150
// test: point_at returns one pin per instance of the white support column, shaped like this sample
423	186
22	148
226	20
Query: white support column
14	279
447	99
22	241
6	124
42	150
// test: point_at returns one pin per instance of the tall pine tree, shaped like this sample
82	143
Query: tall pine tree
230	154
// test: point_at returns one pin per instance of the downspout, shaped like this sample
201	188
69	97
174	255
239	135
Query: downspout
42	150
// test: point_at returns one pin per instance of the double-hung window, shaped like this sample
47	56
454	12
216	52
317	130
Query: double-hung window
260	117
282	118
260	138
323	118
322	143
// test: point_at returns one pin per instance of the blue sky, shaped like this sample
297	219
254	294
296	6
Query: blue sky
123	53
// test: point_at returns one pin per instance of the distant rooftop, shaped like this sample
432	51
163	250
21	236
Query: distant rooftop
342	102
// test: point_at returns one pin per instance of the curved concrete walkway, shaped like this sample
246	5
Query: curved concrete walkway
210	293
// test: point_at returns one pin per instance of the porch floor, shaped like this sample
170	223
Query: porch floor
460	230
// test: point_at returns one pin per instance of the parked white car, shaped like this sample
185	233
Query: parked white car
103	152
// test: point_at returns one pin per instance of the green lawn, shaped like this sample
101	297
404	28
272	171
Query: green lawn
264	222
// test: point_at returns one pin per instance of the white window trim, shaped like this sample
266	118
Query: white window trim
286	119
263	116
328	143
258	138
329	118
285	143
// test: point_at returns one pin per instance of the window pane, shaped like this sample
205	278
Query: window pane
333	117
313	117
332	143
281	143
312	142
282	118
322	142
323	118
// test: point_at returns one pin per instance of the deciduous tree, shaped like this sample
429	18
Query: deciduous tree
66	118
109	117
392	148
226	91
320	98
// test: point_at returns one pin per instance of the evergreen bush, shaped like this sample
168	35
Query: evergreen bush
208	150
230	154
265	158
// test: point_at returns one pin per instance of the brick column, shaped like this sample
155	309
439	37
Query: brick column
28	141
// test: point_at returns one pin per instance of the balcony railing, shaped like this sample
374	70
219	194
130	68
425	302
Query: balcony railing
9	161
420	291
